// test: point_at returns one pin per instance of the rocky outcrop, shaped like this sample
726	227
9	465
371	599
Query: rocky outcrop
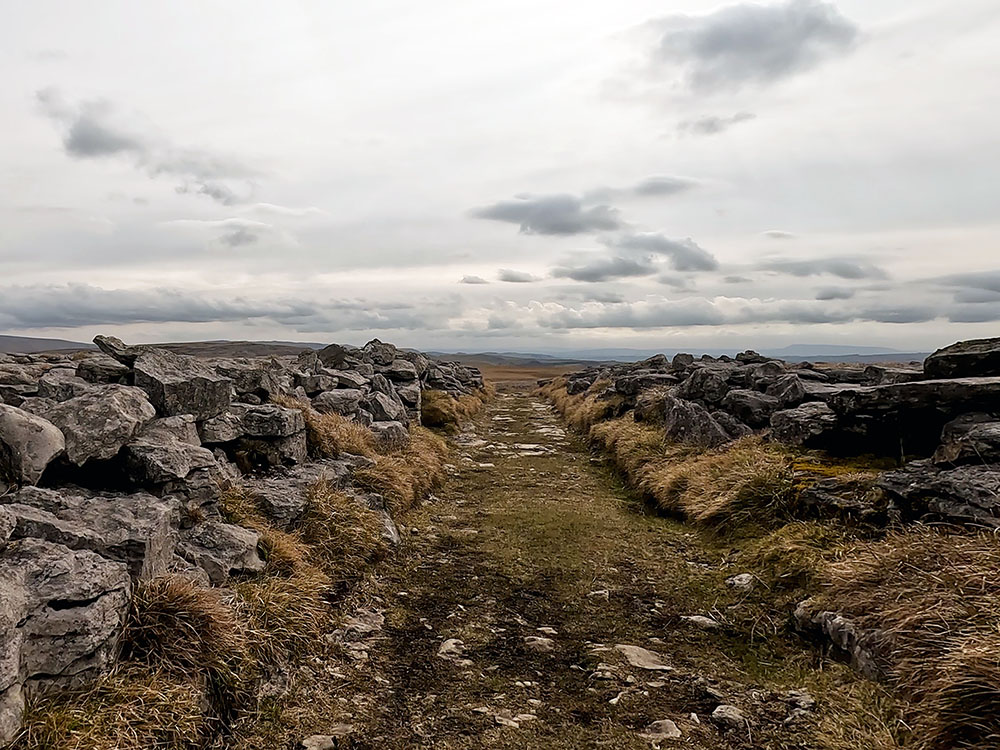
964	494
181	385
965	359
865	650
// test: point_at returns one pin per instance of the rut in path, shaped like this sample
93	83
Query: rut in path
496	624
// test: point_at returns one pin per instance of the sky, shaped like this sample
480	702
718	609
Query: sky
475	175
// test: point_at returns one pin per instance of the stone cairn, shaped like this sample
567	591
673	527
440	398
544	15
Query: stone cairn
111	468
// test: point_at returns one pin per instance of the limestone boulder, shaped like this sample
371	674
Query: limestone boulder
971	438
977	358
166	450
384	408
751	407
689	422
61	614
809	425
964	494
98	423
269	420
343	401
100	368
62	384
400	371
222	550
28	444
136	530
178	384
390	434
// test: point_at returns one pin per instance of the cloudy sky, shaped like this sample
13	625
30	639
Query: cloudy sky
502	174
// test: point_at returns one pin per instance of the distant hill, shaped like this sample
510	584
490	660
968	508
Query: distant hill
29	345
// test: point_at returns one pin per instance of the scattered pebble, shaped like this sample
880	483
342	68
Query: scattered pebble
643	658
729	716
741	582
705	623
539	644
664	729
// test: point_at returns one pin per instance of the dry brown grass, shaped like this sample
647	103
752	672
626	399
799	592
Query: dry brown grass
441	410
132	708
935	594
341	534
329	435
406	476
795	555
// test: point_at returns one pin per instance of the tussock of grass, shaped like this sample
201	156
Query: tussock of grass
935	594
441	410
132	708
340	533
329	435
406	476
583	410
283	617
795	556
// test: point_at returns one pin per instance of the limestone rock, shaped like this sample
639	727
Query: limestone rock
62	384
384	408
269	420
750	407
100	368
688	422
61	613
643	658
729	716
976	358
400	371
166	450
343	401
97	424
28	444
972	438
178	384
865	648
119	350
964	494
807	425
135	530
390	434
222	550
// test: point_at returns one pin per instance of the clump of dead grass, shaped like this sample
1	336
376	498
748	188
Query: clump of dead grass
795	555
131	708
406	476
441	410
934	594
341	534
330	435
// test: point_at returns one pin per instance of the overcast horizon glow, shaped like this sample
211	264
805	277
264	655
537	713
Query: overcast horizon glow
502	175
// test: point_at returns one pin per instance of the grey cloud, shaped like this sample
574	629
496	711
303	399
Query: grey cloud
832	293
845	268
683	255
79	305
239	237
605	269
737	280
976	296
515	277
664	185
983	280
560	214
777	234
473	280
677	282
751	43
713	125
90	131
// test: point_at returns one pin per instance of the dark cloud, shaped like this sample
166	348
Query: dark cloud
751	43
845	268
976	296
515	277
833	292
605	269
712	125
239	237
983	280
90	131
683	255
737	280
561	214
473	280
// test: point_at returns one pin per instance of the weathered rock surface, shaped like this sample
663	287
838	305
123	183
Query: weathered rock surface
964	494
177	384
688	422
808	425
865	649
166	450
132	529
343	401
972	438
97	424
976	358
28	444
61	612
222	550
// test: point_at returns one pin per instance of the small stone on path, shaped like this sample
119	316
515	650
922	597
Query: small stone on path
643	658
539	644
661	730
728	716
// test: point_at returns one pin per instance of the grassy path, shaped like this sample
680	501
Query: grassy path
496	625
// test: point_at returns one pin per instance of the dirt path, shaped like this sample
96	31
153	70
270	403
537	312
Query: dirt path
497	624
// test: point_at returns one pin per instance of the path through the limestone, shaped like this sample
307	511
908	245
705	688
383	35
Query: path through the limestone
508	616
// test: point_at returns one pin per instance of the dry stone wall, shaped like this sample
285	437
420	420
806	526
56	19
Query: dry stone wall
111	468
